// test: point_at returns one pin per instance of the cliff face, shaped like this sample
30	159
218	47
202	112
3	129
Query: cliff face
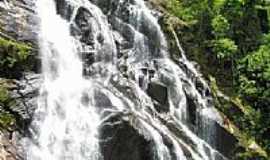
18	20
19	29
18	89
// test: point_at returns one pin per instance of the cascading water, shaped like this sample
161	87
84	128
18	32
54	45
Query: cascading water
67	127
106	65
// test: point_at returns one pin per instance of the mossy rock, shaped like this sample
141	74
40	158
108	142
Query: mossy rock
7	120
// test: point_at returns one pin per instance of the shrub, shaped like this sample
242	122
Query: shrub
6	119
220	26
13	57
224	48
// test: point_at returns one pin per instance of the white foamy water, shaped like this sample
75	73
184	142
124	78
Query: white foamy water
67	124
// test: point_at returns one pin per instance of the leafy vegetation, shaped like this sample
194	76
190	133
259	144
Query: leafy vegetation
220	26
13	57
6	119
254	86
224	48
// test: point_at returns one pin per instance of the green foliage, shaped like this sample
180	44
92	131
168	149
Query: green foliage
249	156
254	86
12	52
189	11
174	7
255	73
245	24
224	48
6	119
13	58
247	86
4	95
220	26
217	4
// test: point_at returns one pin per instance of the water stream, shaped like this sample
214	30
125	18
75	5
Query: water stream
105	64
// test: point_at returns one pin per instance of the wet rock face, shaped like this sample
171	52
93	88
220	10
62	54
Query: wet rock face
221	140
19	20
25	93
137	47
225	141
101	100
122	142
84	21
159	93
64	9
192	111
19	23
124	12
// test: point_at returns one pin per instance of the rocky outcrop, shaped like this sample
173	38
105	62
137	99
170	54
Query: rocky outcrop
9	146
19	23
122	137
18	20
25	93
21	104
158	93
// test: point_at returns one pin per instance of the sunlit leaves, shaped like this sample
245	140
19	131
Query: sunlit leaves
224	48
220	26
12	53
255	72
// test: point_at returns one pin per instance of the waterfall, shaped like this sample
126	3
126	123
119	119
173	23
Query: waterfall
67	126
106	66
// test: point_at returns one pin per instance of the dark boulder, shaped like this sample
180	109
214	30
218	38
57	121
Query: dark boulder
64	9
159	93
192	110
226	143
217	136
84	21
123	142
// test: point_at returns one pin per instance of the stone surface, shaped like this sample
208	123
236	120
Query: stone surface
25	93
8	146
159	93
122	142
18	20
225	142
